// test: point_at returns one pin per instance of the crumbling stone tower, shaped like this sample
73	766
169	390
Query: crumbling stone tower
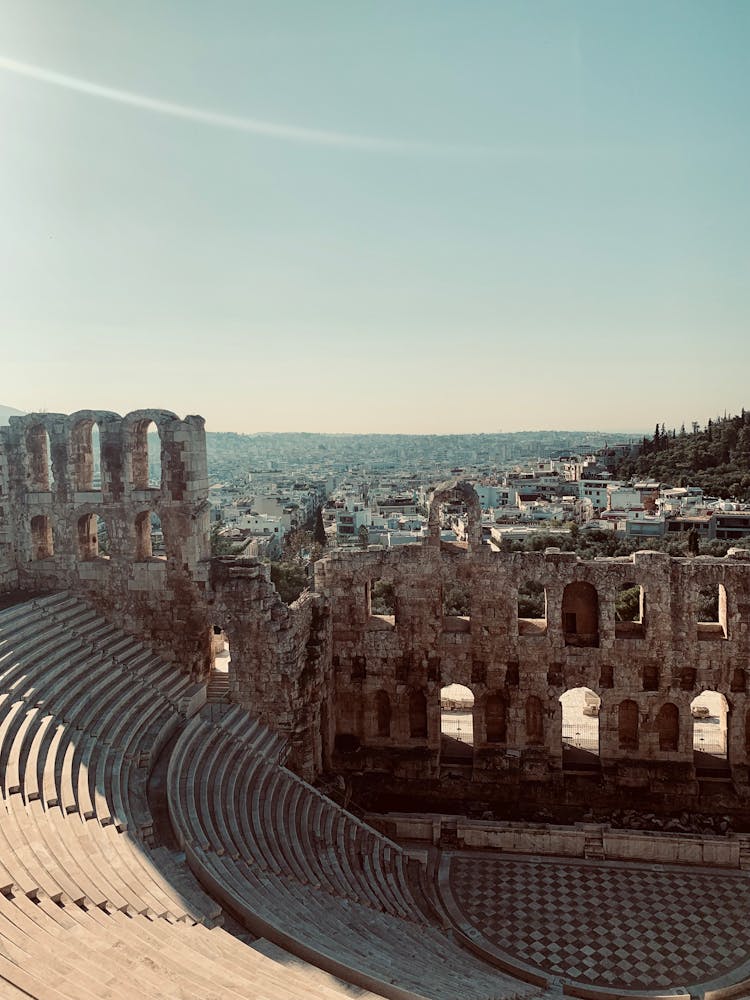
55	523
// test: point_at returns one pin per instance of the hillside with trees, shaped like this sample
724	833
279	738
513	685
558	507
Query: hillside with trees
715	457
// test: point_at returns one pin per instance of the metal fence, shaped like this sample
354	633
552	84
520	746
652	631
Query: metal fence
458	726
581	735
714	743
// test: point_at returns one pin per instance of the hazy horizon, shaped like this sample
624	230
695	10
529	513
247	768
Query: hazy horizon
379	218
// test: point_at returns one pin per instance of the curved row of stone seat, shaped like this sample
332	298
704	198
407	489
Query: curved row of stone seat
87	909
51	951
292	828
84	708
284	858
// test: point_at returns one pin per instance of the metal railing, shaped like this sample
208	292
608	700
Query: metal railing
582	736
458	726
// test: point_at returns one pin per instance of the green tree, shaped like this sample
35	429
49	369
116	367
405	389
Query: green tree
364	536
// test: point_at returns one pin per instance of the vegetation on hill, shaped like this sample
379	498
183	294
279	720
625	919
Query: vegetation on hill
716	458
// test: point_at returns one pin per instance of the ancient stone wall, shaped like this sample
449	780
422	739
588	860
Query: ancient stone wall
280	666
646	672
52	513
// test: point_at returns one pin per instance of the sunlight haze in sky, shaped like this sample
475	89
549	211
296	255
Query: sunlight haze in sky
395	216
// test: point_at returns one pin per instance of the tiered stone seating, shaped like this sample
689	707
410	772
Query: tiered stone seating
307	875
87	909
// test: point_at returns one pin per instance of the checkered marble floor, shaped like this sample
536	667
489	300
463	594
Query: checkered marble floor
623	925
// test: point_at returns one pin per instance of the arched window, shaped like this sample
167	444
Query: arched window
382	713
580	614
417	714
495	718
85	456
534	721
93	539
146	456
668	726
627	725
42	546
39	469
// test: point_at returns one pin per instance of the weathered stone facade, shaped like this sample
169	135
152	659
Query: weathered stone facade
389	670
50	511
360	692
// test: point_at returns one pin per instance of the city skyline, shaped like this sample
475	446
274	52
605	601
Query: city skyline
383	219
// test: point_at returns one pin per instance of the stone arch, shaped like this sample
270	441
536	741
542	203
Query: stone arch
709	713
627	725
580	730
534	721
580	614
136	426
417	714
382	713
85	440
456	491
668	726
42	544
90	529
495	717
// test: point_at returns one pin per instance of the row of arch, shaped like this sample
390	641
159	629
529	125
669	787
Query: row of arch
83	455
579	609
494	708
92	536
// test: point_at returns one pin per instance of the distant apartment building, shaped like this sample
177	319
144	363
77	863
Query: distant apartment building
350	519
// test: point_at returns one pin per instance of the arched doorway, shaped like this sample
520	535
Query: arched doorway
580	729
710	713
456	723
218	684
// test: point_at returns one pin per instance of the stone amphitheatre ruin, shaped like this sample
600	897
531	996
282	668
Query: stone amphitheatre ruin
160	842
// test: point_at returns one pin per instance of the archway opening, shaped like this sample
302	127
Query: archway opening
710	712
456	723
93	537
627	725
218	684
580	729
86	456
668	727
146	456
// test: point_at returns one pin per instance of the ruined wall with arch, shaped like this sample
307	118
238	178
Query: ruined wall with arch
517	669
360	692
76	504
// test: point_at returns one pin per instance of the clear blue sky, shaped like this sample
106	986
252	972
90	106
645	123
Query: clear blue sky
549	228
